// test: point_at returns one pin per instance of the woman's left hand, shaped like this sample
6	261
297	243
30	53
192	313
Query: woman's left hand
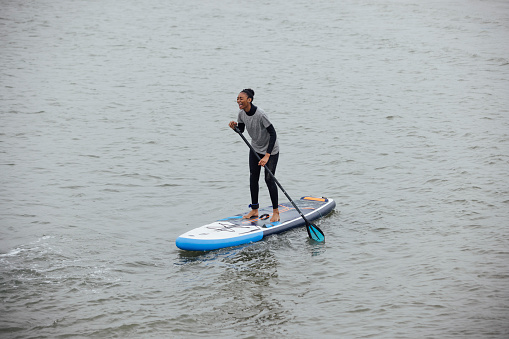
264	160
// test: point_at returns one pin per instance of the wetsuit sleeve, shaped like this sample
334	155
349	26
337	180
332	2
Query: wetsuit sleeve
241	126
273	137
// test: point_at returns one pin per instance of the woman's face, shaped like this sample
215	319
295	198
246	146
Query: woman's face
243	101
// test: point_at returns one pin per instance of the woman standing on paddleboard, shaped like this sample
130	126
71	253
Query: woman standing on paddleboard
264	141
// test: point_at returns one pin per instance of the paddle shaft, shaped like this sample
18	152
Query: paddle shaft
273	177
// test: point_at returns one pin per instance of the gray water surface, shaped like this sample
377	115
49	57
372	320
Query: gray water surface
114	141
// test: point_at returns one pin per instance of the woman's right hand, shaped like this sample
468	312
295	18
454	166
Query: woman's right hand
232	124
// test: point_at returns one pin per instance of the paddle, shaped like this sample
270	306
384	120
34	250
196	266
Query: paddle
313	231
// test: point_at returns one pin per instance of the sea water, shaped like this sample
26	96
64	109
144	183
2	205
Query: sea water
114	141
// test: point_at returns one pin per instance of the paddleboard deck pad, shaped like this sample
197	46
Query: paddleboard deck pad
236	230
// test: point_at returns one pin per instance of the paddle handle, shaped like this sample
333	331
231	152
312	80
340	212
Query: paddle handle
236	129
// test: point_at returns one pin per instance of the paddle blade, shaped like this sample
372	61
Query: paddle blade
315	233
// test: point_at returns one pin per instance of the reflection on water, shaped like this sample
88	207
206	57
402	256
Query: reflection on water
316	248
241	290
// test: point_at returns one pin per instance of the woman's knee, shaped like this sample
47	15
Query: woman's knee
269	180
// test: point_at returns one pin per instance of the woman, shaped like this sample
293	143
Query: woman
264	141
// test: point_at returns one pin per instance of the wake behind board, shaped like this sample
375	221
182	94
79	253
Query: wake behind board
235	230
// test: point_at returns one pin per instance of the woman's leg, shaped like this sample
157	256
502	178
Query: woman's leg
272	186
254	177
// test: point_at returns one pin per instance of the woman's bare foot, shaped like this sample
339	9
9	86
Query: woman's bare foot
275	215
253	213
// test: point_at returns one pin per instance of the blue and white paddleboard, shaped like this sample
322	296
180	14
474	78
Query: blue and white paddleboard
235	230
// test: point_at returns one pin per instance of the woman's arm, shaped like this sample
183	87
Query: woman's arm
272	141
